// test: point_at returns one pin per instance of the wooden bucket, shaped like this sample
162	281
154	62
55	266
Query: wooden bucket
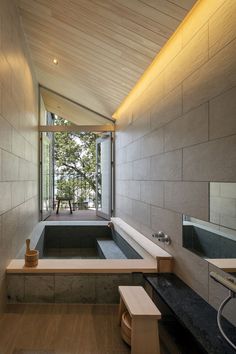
31	256
126	327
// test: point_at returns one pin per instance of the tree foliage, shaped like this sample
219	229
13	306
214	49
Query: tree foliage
75	163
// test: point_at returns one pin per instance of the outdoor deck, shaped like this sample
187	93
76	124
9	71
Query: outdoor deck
78	215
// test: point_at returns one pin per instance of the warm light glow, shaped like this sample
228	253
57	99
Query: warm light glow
199	14
55	61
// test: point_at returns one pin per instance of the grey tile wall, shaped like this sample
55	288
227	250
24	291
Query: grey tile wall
213	78
166	166
190	138
189	198
190	58
18	140
211	161
152	192
152	143
167	109
190	129
141	212
222	110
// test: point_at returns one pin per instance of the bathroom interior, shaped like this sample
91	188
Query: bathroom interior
152	269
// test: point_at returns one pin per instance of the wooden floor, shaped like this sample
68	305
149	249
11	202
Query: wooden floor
78	215
61	329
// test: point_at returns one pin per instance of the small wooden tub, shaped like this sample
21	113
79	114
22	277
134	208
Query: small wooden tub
31	256
126	327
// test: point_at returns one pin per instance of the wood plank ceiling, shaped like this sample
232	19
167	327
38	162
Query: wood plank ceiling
102	46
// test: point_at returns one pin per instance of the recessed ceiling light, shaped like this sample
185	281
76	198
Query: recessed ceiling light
55	61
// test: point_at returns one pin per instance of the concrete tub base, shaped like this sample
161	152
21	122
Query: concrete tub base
68	288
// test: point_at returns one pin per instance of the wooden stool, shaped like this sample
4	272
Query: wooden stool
145	316
63	199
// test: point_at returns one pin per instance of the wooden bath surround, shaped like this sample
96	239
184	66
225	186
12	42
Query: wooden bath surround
154	258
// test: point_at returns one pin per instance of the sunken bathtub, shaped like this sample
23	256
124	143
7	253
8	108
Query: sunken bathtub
84	262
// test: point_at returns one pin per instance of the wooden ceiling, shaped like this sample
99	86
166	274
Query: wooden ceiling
102	46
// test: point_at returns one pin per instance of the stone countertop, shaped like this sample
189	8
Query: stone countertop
194	313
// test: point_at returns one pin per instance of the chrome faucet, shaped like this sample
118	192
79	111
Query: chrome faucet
162	237
111	225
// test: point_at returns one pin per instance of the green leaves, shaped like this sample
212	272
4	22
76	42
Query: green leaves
75	163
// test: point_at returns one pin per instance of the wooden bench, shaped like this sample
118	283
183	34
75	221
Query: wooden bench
144	315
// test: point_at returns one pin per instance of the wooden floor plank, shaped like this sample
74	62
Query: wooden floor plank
61	329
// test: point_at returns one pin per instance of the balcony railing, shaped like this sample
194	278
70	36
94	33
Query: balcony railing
80	188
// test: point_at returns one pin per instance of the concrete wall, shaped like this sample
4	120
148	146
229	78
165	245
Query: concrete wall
177	131
18	140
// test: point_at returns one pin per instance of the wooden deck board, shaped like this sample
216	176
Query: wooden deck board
78	215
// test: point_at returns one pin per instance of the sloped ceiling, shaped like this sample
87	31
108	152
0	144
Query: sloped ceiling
69	110
102	46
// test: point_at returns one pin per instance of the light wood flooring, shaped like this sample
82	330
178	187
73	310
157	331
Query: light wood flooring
61	329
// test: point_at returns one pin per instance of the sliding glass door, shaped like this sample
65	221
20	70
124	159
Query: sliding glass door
104	176
46	175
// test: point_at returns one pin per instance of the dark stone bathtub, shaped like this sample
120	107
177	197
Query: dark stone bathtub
81	241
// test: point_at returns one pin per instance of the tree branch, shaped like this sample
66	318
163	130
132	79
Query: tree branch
90	182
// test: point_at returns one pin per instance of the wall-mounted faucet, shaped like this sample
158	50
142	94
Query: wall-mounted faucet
162	237
111	225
